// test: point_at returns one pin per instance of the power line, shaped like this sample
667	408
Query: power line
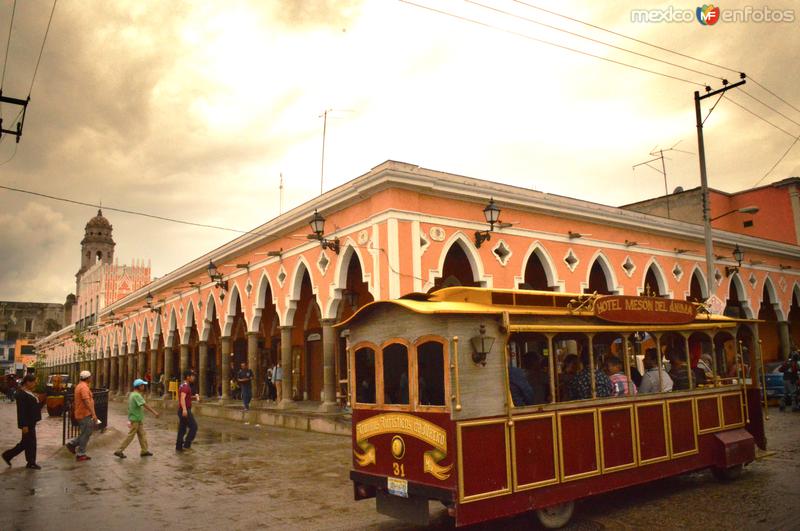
597	41
124	211
634	39
656	46
13	154
768	90
779	128
549	43
41	50
778	162
8	45
773	109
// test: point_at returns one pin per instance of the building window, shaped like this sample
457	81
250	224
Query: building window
29	325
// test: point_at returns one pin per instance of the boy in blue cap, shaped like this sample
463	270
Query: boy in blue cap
136	407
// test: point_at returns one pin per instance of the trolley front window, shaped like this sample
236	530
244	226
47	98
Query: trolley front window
365	376
395	374
430	373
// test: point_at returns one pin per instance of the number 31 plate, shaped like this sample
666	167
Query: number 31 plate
398	487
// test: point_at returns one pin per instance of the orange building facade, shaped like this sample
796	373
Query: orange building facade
277	292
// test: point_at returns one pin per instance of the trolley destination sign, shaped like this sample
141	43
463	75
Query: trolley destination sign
635	310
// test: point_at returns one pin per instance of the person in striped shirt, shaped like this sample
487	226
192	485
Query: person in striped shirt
619	381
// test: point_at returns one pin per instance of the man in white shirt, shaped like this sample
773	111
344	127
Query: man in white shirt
650	380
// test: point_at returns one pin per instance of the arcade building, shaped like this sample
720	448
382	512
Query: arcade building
273	295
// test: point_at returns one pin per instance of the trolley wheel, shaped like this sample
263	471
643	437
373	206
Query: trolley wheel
727	474
556	516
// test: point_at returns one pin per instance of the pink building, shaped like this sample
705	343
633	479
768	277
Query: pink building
274	295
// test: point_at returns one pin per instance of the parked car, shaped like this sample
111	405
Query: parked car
774	380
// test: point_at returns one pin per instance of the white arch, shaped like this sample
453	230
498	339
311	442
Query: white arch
339	284
701	278
795	292
293	294
145	332
156	329
773	297
189	321
133	344
661	278
230	314
475	262
735	282
548	265
264	287
605	264
211	308
174	336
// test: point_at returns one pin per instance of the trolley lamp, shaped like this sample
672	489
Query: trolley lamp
317	224
738	255
481	346
149	303
492	215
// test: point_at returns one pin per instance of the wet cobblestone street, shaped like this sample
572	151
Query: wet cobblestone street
241	476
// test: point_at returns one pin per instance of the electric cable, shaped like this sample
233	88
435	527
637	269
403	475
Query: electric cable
778	162
41	50
549	43
773	109
8	45
779	128
597	41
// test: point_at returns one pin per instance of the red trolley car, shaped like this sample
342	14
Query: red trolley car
478	398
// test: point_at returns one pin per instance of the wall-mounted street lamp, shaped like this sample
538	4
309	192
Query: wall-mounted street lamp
492	215
317	224
743	210
481	346
738	255
216	278
149	303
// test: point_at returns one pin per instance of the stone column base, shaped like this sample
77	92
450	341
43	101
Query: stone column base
328	407
287	403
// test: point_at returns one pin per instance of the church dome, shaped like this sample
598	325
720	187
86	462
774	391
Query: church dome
99	222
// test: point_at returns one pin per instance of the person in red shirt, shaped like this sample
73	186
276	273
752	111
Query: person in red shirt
85	415
186	420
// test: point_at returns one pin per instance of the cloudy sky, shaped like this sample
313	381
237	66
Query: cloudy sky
193	109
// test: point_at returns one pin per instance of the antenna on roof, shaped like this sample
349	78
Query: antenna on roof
659	155
280	205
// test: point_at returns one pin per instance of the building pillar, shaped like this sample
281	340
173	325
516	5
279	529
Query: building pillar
152	368
167	370
112	382
123	370
140	364
202	368
131	372
785	339
329	368
107	370
225	370
252	363
93	370
286	365
184	361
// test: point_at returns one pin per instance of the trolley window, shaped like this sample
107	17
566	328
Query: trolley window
365	376
395	374
430	373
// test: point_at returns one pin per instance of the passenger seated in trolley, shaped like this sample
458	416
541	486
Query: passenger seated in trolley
581	385
521	390
569	368
650	379
620	383
538	376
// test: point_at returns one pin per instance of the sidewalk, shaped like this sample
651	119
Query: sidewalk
304	416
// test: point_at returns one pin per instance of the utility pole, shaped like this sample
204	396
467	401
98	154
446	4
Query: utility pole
14	101
701	150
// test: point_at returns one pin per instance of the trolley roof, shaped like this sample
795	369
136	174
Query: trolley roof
562	311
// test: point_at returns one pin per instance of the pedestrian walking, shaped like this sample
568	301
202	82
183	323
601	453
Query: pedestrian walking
136	407
29	412
245	379
277	378
85	414
186	420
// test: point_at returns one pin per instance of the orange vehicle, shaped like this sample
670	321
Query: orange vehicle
498	402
